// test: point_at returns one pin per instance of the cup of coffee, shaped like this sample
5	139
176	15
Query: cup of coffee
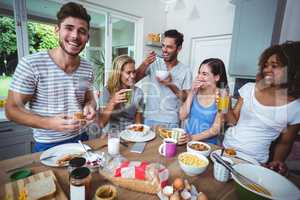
177	133
168	148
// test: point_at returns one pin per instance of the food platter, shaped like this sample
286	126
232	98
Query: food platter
59	156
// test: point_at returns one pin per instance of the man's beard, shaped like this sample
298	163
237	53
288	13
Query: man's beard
171	57
61	44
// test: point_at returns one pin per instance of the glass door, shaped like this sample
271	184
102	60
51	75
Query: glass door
123	33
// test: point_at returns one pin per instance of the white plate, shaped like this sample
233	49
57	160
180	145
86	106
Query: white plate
60	151
129	136
236	160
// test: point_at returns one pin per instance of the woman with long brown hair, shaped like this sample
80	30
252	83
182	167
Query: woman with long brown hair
203	122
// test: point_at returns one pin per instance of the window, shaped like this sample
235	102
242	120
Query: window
102	48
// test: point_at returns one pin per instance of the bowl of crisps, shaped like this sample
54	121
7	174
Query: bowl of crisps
138	129
192	164
198	148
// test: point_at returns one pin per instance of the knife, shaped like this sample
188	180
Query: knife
47	157
243	159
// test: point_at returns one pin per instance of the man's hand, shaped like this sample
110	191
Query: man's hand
165	81
277	166
64	124
150	58
89	112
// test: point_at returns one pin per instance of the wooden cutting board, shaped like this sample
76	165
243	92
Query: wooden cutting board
12	189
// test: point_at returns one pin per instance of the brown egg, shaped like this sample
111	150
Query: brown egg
202	196
178	184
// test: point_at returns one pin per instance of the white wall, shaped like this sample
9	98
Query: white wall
215	17
291	26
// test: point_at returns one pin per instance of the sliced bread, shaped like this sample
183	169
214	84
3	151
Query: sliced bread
41	189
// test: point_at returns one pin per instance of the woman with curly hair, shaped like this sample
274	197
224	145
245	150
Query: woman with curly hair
269	109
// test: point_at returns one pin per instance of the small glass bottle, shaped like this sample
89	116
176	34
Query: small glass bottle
76	163
80	182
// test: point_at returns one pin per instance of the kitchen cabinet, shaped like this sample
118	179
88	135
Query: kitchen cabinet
15	140
257	25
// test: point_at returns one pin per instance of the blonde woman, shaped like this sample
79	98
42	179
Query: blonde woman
121	103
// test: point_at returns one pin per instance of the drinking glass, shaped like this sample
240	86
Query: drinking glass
223	105
128	96
223	102
113	142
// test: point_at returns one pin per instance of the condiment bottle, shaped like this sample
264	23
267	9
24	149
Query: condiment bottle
80	180
76	163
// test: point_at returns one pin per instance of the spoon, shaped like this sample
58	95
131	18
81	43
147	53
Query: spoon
85	150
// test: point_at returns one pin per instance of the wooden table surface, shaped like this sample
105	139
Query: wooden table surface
203	182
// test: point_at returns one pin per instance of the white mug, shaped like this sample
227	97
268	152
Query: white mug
177	133
220	172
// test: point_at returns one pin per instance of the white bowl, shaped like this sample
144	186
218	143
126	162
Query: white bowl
191	170
191	150
276	184
162	74
144	132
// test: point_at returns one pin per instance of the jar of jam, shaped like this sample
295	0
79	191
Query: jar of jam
76	163
80	182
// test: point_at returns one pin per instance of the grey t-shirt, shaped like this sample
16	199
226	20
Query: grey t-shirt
124	114
53	91
161	103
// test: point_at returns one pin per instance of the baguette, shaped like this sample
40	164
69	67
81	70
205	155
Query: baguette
41	189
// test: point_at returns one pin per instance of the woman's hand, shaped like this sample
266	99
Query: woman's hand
118	97
196	84
277	166
184	138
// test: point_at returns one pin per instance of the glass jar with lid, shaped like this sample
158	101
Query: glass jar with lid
80	182
76	163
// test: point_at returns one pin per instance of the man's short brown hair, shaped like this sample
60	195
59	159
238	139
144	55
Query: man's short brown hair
75	10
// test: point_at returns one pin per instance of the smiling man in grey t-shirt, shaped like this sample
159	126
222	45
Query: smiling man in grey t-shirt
55	84
165	96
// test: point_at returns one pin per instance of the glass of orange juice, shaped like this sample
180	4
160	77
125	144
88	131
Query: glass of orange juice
223	102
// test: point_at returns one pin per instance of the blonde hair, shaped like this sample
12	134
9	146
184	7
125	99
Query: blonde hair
114	80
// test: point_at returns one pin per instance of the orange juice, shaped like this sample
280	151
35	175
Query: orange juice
223	104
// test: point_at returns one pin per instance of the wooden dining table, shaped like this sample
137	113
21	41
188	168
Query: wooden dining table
204	182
